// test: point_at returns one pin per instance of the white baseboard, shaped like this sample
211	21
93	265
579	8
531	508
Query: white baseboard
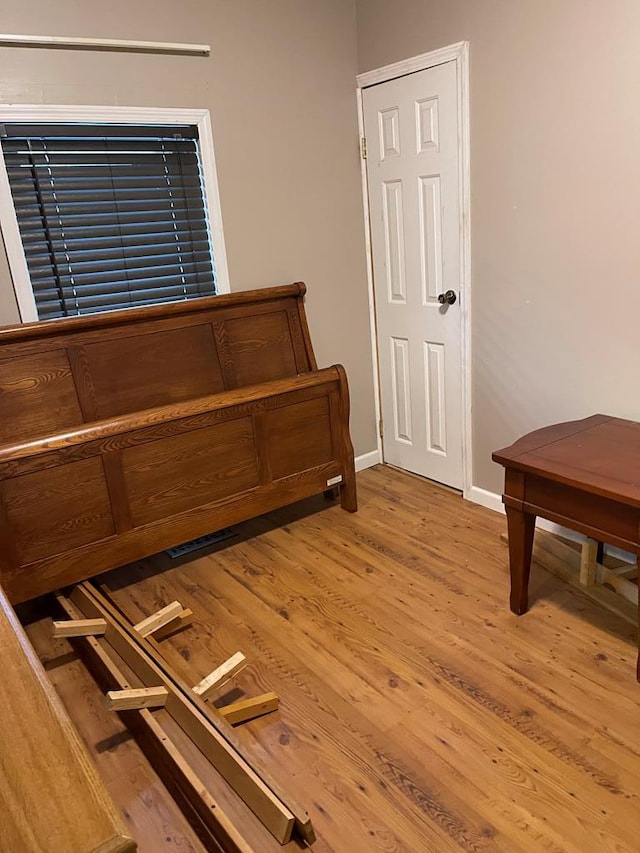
493	501
485	498
368	460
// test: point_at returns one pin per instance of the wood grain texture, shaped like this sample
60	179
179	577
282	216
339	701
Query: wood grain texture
300	326
80	502
209	821
130	318
599	453
49	512
179	473
87	560
521	526
182	620
136	698
340	405
299	437
189	712
199	721
117	487
9	557
51	797
58	374
173	418
159	619
267	353
416	712
153	369
123	372
83	380
28	386
220	675
563	559
79	628
224	354
582	475
249	709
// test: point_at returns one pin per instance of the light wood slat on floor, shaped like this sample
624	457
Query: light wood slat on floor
416	712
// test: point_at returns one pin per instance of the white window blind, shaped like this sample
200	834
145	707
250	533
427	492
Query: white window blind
109	216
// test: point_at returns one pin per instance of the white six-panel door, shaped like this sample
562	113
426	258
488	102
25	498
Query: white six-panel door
411	128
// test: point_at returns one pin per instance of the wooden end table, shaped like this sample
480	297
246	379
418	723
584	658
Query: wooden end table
584	475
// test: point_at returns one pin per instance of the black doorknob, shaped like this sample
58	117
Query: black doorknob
447	298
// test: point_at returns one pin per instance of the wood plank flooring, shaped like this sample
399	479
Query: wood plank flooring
417	713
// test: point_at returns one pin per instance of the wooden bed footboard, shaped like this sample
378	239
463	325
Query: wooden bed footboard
78	502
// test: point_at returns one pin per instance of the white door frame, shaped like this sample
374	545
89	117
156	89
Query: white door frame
458	53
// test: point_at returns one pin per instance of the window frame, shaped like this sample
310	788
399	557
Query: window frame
55	114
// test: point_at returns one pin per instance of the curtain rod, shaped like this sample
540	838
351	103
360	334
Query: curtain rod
69	42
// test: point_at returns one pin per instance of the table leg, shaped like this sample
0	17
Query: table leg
521	526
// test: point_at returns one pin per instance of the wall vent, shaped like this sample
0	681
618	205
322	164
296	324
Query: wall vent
200	542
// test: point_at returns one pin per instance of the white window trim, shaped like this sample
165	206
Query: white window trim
40	113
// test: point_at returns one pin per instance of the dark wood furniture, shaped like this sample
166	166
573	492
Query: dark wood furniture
125	433
584	475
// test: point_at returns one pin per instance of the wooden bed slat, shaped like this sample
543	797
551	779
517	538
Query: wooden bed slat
222	750
184	784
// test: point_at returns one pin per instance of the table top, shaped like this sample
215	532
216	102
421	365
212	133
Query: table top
599	454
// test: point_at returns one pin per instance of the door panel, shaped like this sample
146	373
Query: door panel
394	241
402	418
411	125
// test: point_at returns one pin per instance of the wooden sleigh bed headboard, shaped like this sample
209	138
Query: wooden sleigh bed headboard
125	433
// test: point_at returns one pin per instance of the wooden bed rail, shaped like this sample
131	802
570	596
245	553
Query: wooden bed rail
51	797
202	723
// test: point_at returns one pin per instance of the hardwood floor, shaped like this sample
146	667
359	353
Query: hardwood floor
417	713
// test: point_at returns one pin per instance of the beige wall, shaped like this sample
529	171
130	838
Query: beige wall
280	88
555	182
